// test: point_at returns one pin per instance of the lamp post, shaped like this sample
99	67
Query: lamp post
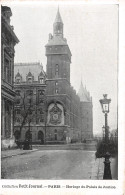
103	132
105	109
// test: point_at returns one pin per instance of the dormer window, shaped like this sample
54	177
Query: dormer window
41	77
29	80
29	77
18	78
41	80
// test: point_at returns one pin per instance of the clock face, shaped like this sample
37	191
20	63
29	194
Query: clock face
55	116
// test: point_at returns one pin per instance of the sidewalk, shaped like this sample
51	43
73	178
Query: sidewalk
15	152
98	168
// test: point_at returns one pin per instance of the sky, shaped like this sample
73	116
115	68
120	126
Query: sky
92	35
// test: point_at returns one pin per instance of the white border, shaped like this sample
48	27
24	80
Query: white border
119	184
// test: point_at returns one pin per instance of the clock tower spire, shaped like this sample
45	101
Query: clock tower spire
58	25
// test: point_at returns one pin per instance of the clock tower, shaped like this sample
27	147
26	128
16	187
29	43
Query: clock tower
58	82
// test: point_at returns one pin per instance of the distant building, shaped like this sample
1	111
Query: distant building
8	41
67	116
86	109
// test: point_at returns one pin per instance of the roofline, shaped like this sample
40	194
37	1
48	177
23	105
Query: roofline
9	28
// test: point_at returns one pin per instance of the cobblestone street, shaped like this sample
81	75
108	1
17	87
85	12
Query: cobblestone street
54	164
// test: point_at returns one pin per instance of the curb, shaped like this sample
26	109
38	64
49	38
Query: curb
10	156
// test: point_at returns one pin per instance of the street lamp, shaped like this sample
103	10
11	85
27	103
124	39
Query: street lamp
103	132
105	109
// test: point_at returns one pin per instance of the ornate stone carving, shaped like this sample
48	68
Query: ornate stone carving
55	115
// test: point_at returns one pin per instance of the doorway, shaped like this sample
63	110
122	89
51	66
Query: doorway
41	137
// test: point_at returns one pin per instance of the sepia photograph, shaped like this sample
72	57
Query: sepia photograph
59	91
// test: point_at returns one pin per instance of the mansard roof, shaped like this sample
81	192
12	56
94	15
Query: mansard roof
34	67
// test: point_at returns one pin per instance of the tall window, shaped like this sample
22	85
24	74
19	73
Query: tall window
55	132
56	91
56	87
57	70
41	115
29	95
7	120
7	71
41	96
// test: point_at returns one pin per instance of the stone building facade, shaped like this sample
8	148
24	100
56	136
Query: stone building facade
64	110
29	109
8	41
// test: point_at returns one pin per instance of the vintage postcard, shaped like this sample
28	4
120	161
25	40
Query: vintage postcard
62	97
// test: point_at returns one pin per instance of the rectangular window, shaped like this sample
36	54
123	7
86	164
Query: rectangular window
57	70
56	83
41	80
29	80
18	80
56	91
